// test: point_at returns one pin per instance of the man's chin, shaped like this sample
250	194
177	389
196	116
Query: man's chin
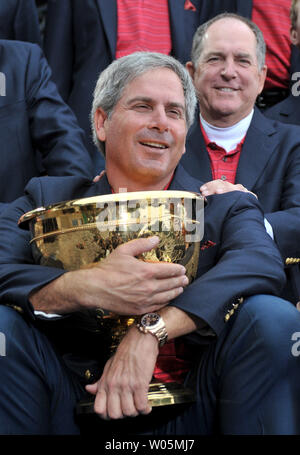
223	113
154	174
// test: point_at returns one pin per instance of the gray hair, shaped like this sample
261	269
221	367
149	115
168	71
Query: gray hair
294	14
197	47
113	80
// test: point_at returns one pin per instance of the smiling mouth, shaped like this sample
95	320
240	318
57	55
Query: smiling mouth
226	89
155	145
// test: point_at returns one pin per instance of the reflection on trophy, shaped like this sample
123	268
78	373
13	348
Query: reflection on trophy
80	233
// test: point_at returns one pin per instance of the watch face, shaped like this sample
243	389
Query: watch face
150	319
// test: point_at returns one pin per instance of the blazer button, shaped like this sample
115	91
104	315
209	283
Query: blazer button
88	375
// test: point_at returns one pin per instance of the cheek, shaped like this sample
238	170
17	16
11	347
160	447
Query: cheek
181	138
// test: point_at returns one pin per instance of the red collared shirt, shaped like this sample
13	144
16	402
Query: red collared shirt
223	165
273	19
143	25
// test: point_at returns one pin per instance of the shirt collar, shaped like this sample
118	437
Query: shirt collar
227	138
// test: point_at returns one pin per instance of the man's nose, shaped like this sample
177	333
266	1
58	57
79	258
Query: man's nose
229	69
159	120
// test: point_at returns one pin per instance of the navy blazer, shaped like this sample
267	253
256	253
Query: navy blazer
244	260
19	21
269	166
39	133
287	111
81	40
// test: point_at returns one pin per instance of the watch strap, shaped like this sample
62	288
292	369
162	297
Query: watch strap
158	330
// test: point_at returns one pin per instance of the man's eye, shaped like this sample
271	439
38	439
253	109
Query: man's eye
174	113
213	59
244	62
141	107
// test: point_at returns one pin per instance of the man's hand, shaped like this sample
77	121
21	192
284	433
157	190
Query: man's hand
120	283
123	387
220	186
99	176
130	286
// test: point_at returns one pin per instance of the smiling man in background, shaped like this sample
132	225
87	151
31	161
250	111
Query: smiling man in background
232	145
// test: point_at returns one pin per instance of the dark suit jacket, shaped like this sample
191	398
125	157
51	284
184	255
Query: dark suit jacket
243	262
269	166
287	111
81	40
19	21
38	130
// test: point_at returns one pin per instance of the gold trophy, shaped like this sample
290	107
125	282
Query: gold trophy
80	233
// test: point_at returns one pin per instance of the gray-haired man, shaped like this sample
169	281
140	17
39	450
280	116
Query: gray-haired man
232	145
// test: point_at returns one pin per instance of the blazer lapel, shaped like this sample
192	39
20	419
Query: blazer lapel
196	159
257	150
108	13
184	181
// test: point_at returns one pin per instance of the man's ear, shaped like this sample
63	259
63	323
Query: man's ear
294	36
262	78
100	118
190	67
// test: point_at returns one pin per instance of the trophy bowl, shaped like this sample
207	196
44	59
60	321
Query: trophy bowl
82	232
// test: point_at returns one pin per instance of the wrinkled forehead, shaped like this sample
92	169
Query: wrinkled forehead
158	83
229	34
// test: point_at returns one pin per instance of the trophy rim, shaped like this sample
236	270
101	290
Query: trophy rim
78	203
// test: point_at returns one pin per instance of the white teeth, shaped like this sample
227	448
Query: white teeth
226	89
154	144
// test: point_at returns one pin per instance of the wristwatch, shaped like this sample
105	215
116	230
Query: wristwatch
153	323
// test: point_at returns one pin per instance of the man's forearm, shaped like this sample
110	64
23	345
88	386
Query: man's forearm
55	297
179	323
120	283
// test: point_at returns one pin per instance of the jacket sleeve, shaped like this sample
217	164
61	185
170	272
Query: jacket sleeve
247	263
285	219
19	276
54	129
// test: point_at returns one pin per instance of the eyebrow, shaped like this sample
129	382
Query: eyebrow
147	99
238	54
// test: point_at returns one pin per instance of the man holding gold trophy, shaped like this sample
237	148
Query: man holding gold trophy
227	335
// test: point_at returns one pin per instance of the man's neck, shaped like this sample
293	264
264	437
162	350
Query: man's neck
123	185
225	121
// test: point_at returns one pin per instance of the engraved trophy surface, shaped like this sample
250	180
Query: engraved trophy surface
79	233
